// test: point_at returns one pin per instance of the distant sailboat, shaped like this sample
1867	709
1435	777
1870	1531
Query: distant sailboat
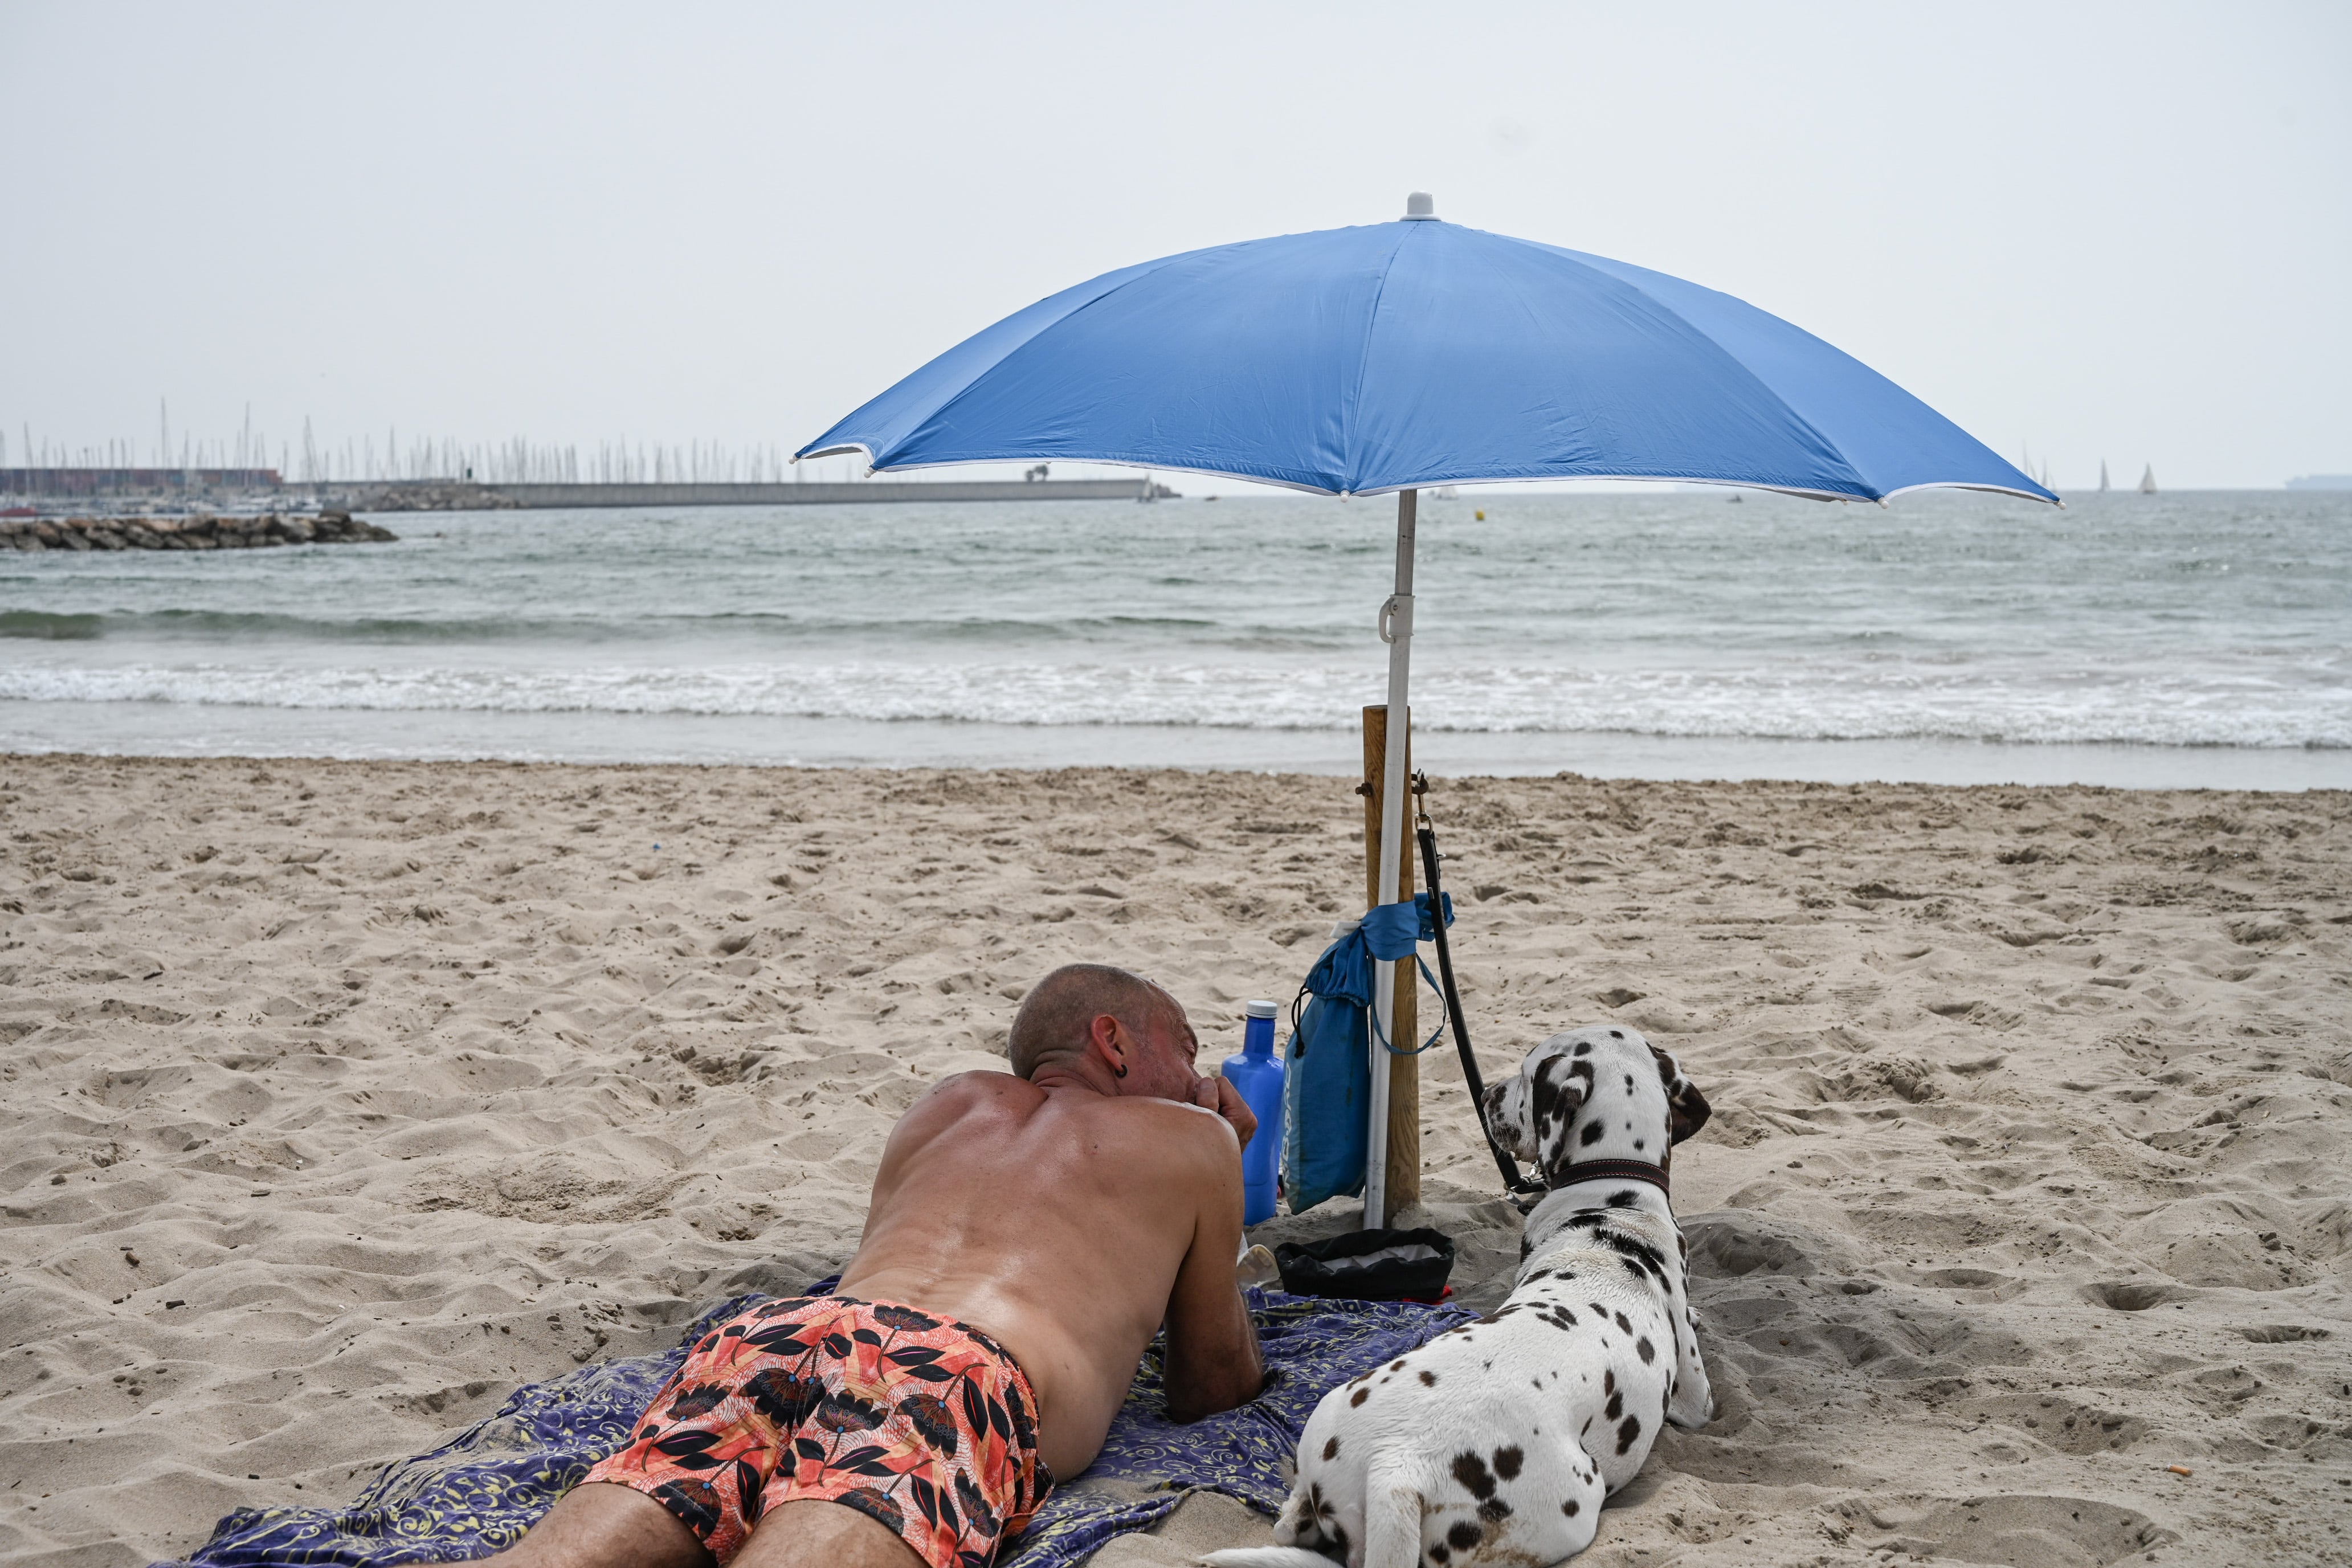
2040	475
2147	480
2103	473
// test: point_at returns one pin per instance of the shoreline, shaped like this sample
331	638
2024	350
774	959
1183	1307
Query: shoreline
344	1097
172	732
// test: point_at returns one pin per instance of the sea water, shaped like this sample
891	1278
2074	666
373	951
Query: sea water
2188	638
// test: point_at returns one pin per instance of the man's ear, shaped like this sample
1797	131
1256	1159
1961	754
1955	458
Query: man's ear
1687	1107
1106	1038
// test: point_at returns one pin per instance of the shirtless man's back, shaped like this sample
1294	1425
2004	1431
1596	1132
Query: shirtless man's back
1067	1225
1043	1224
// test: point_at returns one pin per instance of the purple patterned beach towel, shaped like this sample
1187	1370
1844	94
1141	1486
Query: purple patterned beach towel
478	1493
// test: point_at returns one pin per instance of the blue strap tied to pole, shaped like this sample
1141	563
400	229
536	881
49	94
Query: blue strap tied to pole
1392	931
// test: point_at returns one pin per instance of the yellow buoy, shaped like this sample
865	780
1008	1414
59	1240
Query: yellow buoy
1482	514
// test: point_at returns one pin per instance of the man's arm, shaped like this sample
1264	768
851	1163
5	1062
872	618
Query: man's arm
1214	1361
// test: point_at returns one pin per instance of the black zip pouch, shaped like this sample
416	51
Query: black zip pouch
1369	1265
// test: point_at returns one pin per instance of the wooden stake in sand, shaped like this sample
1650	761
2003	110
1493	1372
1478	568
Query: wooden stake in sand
1402	1184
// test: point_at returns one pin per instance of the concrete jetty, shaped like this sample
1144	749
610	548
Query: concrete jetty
55	492
456	495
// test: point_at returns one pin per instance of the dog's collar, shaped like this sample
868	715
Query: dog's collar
1582	1171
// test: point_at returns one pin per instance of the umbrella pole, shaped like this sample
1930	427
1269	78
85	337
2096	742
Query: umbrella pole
1396	630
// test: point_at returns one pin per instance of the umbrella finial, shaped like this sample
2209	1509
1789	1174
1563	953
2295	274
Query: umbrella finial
1421	204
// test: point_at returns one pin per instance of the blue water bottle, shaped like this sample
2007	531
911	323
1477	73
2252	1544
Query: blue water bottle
1257	1073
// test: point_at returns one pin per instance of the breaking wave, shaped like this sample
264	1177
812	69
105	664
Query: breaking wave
1820	700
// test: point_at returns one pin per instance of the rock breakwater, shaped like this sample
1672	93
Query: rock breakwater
187	532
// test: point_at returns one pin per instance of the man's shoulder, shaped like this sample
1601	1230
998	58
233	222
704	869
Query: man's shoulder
1163	1134
967	1094
985	1080
1184	1130
982	1085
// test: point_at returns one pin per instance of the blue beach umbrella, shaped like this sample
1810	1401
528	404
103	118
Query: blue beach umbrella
1391	357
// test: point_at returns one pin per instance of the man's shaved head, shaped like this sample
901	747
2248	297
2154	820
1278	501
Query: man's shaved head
1059	1009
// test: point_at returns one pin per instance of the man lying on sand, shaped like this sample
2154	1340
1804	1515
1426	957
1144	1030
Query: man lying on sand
1028	1233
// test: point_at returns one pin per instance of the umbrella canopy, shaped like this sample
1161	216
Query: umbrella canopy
1395	356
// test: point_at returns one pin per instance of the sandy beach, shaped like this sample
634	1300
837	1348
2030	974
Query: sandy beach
343	1098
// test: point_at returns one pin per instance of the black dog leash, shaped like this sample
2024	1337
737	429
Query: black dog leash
1426	832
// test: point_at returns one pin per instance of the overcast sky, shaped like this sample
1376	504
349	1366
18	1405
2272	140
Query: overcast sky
2119	231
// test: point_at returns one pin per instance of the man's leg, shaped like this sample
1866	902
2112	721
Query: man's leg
603	1526
814	1534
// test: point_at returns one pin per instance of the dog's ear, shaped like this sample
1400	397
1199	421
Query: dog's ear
1561	1083
1505	1106
1687	1107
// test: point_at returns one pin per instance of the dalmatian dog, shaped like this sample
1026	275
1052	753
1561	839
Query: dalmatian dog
1496	1442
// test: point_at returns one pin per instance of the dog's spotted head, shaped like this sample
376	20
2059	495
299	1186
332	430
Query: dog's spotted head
1602	1092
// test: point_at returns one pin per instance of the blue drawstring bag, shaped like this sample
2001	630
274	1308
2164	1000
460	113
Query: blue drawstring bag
1327	1084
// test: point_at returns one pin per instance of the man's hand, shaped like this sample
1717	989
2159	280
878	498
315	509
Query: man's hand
1217	1093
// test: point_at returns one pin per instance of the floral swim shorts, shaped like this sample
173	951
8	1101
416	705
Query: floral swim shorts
924	1424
